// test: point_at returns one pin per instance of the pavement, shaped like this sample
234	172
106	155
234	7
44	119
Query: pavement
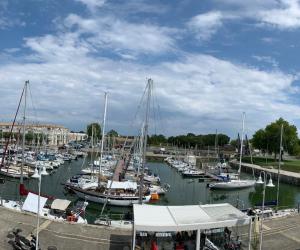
63	235
278	234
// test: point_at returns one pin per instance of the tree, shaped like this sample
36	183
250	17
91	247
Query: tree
156	139
268	139
113	133
96	130
259	139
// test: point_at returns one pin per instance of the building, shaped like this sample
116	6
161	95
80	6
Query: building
53	135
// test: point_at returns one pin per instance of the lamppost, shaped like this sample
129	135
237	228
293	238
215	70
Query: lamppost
270	184
38	174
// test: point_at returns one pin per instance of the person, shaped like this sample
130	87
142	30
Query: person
227	233
154	245
179	246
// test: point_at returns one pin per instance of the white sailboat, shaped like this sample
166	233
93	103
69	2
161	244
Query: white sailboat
117	195
235	184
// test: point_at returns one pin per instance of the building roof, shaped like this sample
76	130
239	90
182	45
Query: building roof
185	218
33	125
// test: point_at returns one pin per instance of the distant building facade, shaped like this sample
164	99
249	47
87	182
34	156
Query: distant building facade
55	135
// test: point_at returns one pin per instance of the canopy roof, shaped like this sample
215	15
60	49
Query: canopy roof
122	185
31	203
60	204
184	218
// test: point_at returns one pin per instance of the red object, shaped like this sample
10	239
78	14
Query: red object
154	246
23	192
179	246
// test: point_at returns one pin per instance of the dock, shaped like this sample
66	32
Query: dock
285	176
119	169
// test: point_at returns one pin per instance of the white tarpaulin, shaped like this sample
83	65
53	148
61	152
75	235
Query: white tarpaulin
31	203
60	204
122	185
185	218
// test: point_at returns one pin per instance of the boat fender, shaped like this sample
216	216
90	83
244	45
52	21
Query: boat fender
154	196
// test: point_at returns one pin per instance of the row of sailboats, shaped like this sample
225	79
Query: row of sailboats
59	209
120	191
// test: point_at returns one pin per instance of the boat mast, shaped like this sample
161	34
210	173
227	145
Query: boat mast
140	148
23	141
102	139
279	165
92	144
149	87
242	141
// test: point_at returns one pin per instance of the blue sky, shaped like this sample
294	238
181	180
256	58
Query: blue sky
210	61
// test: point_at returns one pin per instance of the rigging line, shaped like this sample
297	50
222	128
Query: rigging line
32	103
12	127
158	111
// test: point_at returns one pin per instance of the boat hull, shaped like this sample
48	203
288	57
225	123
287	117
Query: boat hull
234	184
125	201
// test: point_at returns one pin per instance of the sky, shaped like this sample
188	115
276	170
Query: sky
210	61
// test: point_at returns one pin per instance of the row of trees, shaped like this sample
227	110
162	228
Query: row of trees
189	140
267	140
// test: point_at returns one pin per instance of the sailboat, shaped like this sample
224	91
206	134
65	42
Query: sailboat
238	183
114	193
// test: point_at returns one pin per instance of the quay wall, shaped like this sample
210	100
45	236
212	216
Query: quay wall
285	176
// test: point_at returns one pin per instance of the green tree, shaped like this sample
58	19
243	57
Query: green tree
113	133
96	130
259	140
268	139
157	139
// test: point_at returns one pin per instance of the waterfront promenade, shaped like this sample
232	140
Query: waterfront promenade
63	235
281	233
285	176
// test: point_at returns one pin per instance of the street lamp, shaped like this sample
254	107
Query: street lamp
38	174
270	184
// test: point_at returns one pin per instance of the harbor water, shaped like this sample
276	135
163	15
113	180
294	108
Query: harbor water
183	191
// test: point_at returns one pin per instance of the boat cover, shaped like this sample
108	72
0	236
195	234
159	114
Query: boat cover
60	204
122	185
31	203
186	218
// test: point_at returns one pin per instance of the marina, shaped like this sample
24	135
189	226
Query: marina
149	125
195	192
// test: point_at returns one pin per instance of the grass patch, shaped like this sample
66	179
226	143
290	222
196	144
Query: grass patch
288	165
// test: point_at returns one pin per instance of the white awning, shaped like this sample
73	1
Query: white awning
122	185
60	204
31	203
185	218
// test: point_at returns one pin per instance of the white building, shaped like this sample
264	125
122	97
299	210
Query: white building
54	135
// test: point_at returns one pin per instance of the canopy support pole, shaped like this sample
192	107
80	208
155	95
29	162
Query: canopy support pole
133	238
250	234
198	239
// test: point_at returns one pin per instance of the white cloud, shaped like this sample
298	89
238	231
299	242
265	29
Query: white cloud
266	59
122	36
285	16
196	93
205	25
92	4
